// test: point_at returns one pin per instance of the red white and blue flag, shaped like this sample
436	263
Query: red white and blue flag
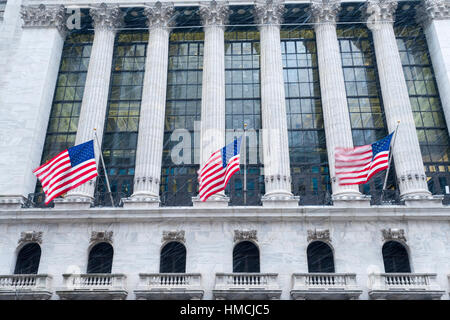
358	165
67	170
219	168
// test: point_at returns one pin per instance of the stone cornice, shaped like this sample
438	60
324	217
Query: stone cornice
160	15
214	13
380	11
43	16
105	16
325	11
430	10
269	11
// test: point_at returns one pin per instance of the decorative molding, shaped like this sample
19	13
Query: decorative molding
214	13
325	11
30	236
42	16
160	15
393	234
105	16
430	10
173	236
269	11
101	236
319	234
245	235
380	11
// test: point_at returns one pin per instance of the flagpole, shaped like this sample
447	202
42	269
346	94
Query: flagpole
104	167
245	165
390	157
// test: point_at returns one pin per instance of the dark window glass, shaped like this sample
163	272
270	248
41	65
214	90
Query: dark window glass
307	145
173	258
243	105
100	258
28	259
395	258
183	104
245	257
426	106
2	9
320	257
122	120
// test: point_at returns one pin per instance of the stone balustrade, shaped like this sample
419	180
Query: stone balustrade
25	286
169	286
246	286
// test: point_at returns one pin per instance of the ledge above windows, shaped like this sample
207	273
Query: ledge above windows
169	286
25	287
247	286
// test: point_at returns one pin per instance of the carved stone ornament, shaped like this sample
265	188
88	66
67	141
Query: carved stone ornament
244	235
30	236
318	234
173	236
430	10
102	236
160	15
380	11
105	16
269	11
43	16
214	13
393	234
325	11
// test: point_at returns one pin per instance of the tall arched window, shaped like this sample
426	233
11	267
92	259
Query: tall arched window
245	257
320	257
173	258
395	257
100	258
28	259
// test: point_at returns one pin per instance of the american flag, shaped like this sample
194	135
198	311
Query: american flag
219	168
358	165
67	170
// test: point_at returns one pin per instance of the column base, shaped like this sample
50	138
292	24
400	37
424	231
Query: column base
141	201
12	202
214	201
74	202
280	200
423	200
351	200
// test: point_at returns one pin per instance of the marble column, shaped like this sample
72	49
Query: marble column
106	19
406	151
434	15
338	131
26	95
153	106
214	16
277	175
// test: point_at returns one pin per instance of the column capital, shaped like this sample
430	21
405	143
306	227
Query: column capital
43	16
269	11
214	13
380	11
430	10
106	16
160	15
325	11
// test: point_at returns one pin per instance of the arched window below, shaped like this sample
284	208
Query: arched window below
395	258
173	258
320	257
246	257
28	259
100	258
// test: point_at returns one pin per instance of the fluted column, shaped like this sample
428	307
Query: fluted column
277	174
406	151
338	131
434	15
106	20
212	128
151	122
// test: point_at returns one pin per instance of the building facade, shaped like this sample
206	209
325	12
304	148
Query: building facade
162	85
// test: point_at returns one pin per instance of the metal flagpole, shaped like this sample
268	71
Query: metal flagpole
104	168
389	160
245	164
